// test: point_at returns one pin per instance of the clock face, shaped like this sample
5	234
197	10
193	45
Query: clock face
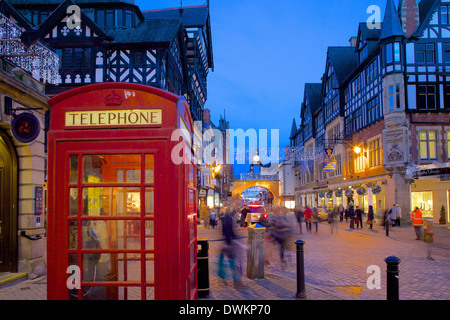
25	127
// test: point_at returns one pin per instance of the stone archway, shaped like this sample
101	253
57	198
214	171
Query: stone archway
240	186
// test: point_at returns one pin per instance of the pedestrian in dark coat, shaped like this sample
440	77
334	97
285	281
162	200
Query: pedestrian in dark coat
351	215
358	214
370	217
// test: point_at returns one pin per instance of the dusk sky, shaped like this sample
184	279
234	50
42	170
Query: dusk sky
265	51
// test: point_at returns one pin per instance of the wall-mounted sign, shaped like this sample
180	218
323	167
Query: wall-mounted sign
329	166
25	127
113	118
329	152
38	200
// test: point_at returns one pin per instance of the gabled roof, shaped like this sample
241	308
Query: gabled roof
294	129
344	60
196	16
391	23
426	11
149	30
54	18
312	91
192	17
368	34
7	9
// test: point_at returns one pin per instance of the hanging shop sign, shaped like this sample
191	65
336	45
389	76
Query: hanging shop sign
329	167
113	118
338	193
25	127
329	194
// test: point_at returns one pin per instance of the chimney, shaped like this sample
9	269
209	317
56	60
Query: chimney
409	16
353	41
206	117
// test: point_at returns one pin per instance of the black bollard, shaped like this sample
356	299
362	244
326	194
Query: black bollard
301	293
392	289
387	227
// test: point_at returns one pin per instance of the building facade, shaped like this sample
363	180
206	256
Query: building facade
382	113
117	42
23	119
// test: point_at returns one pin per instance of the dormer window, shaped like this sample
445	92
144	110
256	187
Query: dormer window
114	18
363	53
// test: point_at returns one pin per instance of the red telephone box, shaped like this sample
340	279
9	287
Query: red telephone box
121	211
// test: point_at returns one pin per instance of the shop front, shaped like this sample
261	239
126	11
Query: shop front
430	191
121	195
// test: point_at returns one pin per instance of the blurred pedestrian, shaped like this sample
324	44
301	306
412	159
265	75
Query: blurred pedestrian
358	217
351	215
279	231
332	219
244	213
299	216
203	214
315	218
341	213
213	218
370	217
416	217
399	214
230	249
307	215
392	215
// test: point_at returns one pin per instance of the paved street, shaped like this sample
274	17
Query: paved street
335	267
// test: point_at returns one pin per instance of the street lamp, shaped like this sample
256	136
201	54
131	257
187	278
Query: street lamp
357	150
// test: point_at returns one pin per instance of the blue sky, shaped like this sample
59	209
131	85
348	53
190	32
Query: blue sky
265	51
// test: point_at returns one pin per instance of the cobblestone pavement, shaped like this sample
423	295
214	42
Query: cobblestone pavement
335	267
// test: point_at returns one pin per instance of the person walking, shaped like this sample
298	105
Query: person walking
315	219
393	215
279	231
416	217
351	215
370	217
244	213
213	218
307	214
332	216
358	217
230	249
341	213
299	216
399	215
203	215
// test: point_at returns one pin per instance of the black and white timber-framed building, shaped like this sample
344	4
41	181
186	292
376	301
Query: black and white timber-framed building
387	93
115	41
